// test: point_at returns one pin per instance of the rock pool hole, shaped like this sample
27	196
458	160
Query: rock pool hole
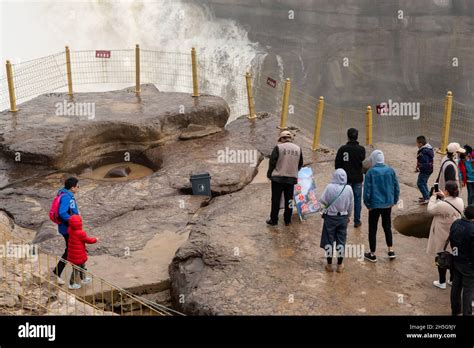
117	167
414	224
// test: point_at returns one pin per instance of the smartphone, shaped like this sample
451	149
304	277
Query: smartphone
436	187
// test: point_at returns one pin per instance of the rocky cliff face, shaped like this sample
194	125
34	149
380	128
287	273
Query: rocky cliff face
408	56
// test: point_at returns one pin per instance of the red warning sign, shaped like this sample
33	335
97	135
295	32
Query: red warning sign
271	82
102	54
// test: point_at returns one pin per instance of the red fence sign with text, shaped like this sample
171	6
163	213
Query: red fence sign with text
271	82
102	54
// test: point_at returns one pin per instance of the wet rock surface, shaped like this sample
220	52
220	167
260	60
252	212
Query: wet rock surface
47	130
227	260
127	214
233	263
140	220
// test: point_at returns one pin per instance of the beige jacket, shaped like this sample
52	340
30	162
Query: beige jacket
288	160
444	164
444	216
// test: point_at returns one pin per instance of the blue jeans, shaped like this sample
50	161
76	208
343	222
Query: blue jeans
422	184
357	189
470	193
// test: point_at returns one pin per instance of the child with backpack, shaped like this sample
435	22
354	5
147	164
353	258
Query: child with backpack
337	202
77	253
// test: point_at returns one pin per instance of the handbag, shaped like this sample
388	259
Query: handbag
444	259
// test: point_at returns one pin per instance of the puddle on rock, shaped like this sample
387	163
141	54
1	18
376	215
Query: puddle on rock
137	171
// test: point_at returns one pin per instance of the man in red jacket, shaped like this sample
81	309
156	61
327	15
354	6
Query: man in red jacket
77	253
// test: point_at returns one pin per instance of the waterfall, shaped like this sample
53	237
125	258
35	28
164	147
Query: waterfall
223	47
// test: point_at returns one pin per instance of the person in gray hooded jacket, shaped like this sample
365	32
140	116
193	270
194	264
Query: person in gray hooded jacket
337	202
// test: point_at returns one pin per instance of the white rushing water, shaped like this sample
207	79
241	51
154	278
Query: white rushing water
40	28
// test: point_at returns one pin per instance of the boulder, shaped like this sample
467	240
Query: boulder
118	172
46	130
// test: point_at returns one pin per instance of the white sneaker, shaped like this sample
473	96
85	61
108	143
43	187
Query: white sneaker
57	279
86	280
439	285
74	286
450	282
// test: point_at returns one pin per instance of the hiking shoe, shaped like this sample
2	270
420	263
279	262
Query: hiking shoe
357	224
340	268
370	257
391	254
74	286
439	285
86	280
329	268
271	223
57	279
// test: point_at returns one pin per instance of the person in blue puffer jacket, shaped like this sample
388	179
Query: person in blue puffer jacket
67	208
381	193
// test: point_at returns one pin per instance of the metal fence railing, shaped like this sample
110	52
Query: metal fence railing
175	72
28	284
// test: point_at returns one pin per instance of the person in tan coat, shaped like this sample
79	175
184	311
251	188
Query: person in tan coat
446	207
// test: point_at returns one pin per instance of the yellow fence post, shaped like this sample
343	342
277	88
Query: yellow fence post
68	70
284	106
195	73
137	69
11	87
317	126
248	78
368	125
448	108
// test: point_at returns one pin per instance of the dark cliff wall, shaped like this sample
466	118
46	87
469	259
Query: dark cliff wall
408	59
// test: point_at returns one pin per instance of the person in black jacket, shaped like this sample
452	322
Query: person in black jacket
424	166
285	162
350	157
462	242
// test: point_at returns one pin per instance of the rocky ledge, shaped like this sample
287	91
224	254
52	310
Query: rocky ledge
67	132
140	222
233	263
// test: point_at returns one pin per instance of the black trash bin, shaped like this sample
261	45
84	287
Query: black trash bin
201	184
